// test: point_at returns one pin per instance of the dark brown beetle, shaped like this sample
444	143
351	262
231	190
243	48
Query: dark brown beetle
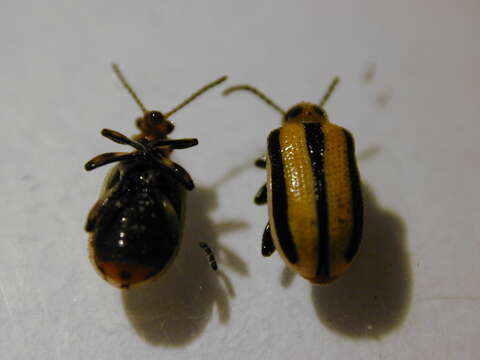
136	225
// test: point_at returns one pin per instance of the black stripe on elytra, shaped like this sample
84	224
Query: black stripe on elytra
357	204
316	149
279	198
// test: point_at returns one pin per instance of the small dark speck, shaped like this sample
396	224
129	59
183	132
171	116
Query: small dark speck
383	98
369	73
33	187
26	177
125	286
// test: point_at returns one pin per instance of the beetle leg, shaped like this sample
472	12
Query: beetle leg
261	196
183	175
175	143
168	210
176	171
267	242
261	162
107	158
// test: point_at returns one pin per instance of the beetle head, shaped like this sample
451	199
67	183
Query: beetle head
305	112
153	124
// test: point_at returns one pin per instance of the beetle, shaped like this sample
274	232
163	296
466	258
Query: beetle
312	190
135	226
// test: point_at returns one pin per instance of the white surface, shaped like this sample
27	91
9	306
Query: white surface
413	292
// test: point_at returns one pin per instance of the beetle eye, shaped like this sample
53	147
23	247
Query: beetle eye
170	127
156	117
293	112
319	111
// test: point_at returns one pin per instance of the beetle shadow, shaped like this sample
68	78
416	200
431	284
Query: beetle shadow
373	297
174	309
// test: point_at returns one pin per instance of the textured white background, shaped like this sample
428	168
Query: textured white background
413	292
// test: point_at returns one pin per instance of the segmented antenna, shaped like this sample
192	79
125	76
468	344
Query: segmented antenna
256	92
127	86
329	92
211	257
195	95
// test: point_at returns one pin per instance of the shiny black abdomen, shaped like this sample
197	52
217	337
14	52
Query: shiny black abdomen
142	225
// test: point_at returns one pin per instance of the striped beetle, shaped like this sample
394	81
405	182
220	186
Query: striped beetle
313	191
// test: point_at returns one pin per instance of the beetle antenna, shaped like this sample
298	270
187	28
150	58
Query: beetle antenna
127	86
211	256
195	95
256	92
329	92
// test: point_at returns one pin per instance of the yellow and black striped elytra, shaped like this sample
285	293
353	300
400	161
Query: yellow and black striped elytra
313	191
136	225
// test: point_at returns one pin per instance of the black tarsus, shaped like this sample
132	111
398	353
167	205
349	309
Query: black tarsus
261	196
261	162
268	247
